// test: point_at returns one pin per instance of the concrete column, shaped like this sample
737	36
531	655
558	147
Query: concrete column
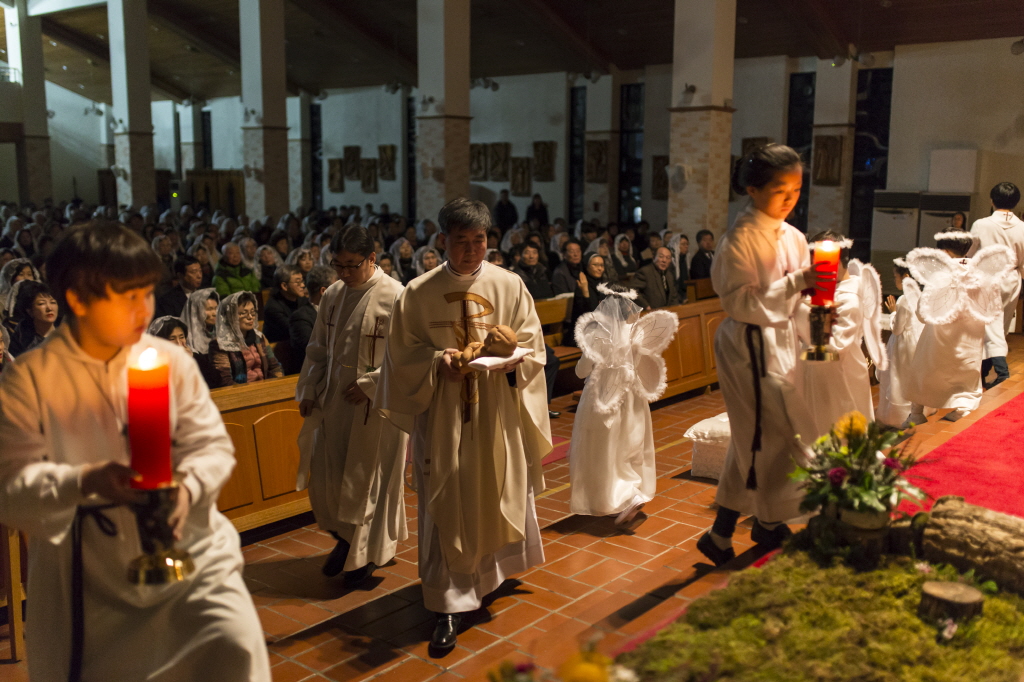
190	114
25	53
442	138
835	118
700	117
264	91
300	161
601	199
128	28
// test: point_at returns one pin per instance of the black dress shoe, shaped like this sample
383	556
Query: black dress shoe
336	559
772	539
554	415
709	549
353	578
445	632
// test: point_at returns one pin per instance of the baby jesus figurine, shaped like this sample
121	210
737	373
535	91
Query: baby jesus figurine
500	342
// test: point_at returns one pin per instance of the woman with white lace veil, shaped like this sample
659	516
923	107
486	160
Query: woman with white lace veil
426	259
611	456
622	257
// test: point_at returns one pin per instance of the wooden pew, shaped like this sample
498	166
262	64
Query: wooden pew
263	422
13	593
553	313
690	358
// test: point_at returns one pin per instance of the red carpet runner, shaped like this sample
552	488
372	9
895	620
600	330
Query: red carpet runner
984	464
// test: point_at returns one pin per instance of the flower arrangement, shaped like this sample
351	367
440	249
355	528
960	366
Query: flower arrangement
847	469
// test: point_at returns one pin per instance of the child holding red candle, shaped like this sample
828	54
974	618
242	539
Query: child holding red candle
760	270
64	464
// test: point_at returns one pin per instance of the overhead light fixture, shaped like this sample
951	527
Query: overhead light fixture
838	61
867	60
1017	48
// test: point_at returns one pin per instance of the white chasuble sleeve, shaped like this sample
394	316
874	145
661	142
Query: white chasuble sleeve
313	374
38	495
409	373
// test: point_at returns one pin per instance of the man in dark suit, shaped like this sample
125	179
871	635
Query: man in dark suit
700	264
189	274
655	284
300	324
289	295
534	274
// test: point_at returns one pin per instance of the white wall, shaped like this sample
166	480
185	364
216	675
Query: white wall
226	131
524	110
163	135
75	144
962	95
364	117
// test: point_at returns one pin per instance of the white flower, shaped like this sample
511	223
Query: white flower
619	673
879	456
923	567
949	630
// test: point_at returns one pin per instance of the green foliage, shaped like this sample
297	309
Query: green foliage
793	621
848	469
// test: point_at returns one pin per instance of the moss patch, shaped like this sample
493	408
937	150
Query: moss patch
794	620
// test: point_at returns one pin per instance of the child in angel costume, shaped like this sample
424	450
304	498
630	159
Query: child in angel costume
611	456
960	297
893	405
832	389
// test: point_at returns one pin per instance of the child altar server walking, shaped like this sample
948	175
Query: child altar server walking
961	297
611	456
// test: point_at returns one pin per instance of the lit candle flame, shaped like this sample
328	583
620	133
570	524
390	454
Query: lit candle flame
149	359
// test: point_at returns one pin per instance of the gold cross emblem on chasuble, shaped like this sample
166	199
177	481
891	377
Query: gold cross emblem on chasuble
464	329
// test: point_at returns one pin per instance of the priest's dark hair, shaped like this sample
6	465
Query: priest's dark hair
1005	196
461	214
831	236
355	239
759	166
100	253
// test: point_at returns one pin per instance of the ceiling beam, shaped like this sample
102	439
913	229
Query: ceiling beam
552	21
100	53
826	35
221	48
335	20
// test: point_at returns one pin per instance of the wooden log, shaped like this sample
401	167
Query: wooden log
941	600
971	537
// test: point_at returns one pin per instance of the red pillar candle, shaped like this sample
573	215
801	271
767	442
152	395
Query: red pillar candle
149	419
826	252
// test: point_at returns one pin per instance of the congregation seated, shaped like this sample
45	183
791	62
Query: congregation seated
655	283
700	264
35	312
268	260
534	274
231	276
288	295
173	329
587	294
566	276
189	274
623	263
240	354
302	319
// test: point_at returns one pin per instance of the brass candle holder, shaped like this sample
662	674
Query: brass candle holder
161	563
821	333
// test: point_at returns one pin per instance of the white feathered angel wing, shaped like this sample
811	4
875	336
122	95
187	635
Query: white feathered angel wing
912	292
985	273
870	294
611	377
649	338
944	295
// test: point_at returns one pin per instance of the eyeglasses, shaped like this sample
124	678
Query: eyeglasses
247	313
338	266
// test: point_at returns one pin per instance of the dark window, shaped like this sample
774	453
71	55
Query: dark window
410	157
800	136
316	155
870	153
631	151
207	140
577	150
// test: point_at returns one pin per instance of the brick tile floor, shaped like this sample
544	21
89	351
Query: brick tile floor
596	582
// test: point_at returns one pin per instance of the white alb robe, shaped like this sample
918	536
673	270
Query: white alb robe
1002	227
946	370
352	457
893	405
475	478
61	409
832	389
757	275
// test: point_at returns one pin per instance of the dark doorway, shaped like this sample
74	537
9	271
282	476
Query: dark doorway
316	155
800	136
410	157
577	150
207	140
870	153
631	152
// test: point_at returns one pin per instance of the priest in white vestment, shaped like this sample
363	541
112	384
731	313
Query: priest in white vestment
352	457
63	414
478	440
1002	227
